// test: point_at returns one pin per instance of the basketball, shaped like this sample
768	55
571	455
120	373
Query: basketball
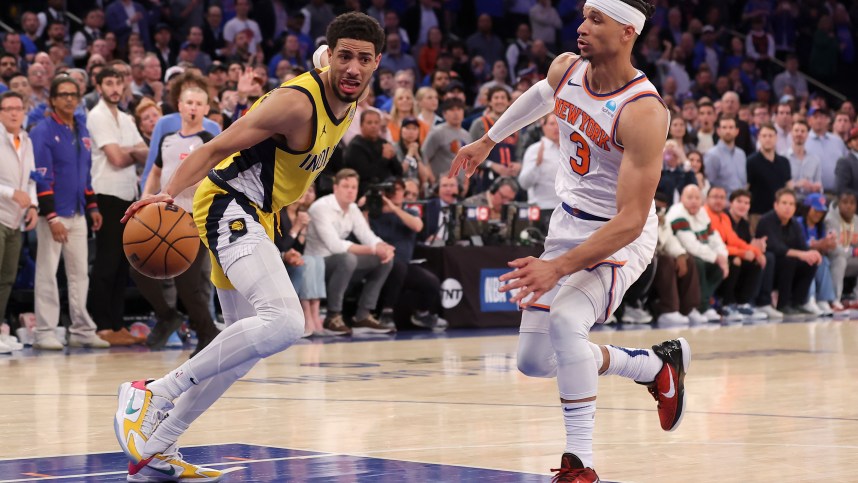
161	240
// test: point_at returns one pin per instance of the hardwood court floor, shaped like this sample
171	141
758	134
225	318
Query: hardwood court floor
774	402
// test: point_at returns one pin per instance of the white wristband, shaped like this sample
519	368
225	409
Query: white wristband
530	107
317	56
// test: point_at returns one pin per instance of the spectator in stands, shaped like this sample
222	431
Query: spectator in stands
333	218
428	52
841	222
373	158
517	52
726	162
674	175
123	25
192	287
696	166
825	146
794	263
213	42
503	159
438	216
502	191
62	152
242	23
790	77
18	203
767	173
545	22
730	107
408	152
705	129
83	38
394	58
163	47
444	140
319	15
846	171
427	106
676	286
421	17
55	34
146	115
746	262
484	42
805	168
539	170
707	50
842	125
679	132
117	148
410	290
692	227
822	290
191	51
404	107
783	125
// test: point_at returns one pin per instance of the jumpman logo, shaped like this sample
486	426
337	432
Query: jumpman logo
324	129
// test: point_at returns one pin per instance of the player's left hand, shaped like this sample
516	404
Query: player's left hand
531	276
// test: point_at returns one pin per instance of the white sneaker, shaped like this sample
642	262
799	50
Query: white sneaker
88	340
672	318
47	341
25	335
11	341
771	312
712	315
748	311
695	317
634	315
171	466
825	308
5	349
811	308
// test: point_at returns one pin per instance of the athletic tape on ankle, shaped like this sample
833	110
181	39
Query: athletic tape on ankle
621	12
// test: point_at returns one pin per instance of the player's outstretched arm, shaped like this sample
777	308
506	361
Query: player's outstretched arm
285	111
527	109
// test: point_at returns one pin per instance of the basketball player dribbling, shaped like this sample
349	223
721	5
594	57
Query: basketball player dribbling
263	162
613	126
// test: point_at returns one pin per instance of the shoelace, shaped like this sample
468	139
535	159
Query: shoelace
153	417
567	474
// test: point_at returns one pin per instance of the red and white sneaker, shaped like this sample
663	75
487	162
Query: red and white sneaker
668	388
573	471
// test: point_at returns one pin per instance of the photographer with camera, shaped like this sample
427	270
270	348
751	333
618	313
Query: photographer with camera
410	290
332	219
501	192
373	158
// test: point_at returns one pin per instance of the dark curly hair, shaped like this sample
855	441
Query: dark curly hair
645	7
358	26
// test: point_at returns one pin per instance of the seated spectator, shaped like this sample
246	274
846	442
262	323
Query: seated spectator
726	162
847	167
445	140
438	216
746	262
706	118
844	257
410	290
696	166
427	104
373	158
767	172
794	263
502	159
403	108
333	218
674	175
680	134
805	168
676	287
408	152
539	170
694	230
822	291
501	192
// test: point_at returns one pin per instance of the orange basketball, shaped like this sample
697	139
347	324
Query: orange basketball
161	240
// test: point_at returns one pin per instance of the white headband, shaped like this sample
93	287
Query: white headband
621	12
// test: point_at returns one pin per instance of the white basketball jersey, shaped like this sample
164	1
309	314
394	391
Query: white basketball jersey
590	153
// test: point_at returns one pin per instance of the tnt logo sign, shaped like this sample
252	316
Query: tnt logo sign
491	300
451	293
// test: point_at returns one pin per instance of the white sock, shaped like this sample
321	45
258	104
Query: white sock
174	383
640	365
166	434
580	418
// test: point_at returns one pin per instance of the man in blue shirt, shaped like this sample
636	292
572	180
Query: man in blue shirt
62	151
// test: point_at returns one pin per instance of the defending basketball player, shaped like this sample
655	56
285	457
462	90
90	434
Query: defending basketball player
613	126
263	162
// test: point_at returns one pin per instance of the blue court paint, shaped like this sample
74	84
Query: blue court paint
265	464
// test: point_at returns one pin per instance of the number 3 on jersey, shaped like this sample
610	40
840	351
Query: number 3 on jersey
580	161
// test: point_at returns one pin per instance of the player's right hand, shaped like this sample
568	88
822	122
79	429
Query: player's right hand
471	156
146	200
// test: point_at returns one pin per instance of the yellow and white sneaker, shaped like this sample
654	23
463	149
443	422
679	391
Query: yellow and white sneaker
138	413
169	466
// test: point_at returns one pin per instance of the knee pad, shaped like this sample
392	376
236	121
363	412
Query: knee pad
282	325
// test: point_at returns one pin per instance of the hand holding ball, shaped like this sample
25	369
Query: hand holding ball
161	240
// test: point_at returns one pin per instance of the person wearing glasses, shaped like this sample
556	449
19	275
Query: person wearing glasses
61	146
